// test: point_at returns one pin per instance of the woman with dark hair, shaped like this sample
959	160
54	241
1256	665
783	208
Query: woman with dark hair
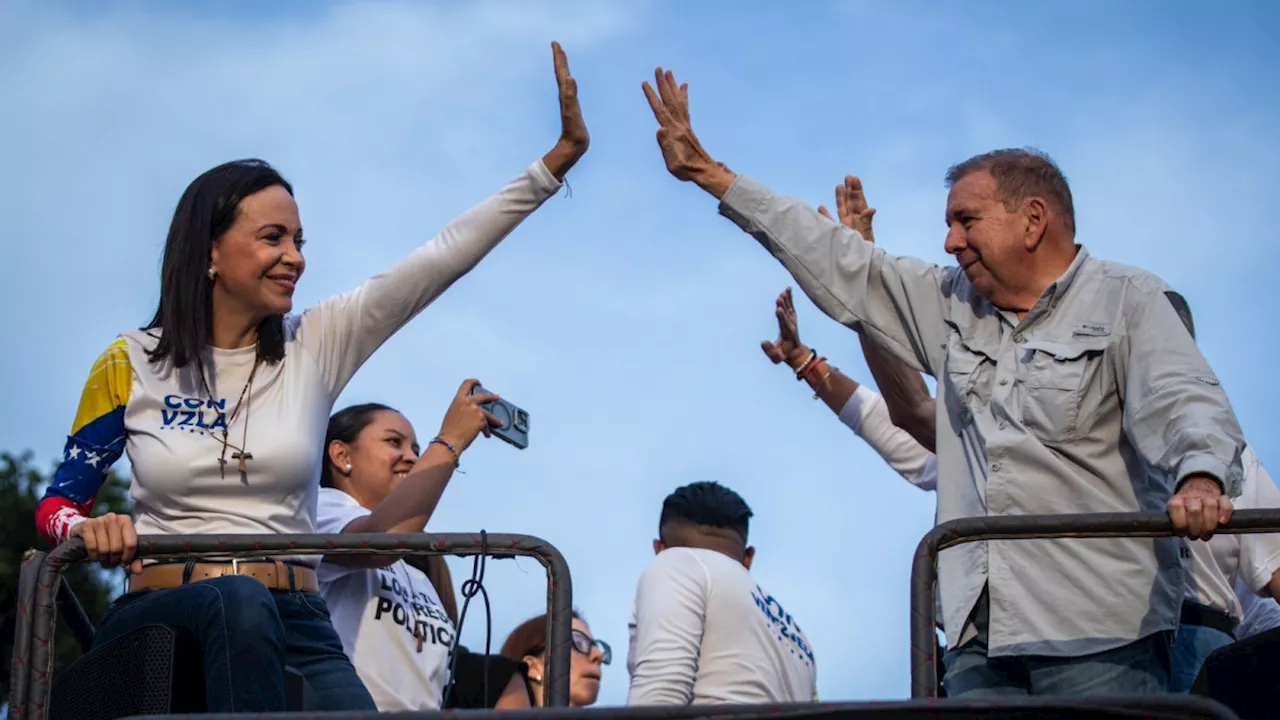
221	403
528	644
397	619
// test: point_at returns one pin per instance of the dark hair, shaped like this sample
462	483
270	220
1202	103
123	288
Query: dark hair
706	503
345	426
1183	309
206	211
1021	173
529	638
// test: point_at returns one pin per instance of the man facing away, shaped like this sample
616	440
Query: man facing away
1066	385
703	631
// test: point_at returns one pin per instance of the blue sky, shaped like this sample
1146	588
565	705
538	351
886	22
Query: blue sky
627	319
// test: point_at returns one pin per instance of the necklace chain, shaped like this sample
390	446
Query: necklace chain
241	455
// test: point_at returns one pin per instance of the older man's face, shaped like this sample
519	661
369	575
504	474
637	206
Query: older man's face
987	240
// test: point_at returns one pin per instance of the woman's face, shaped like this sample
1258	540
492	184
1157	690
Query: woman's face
584	668
258	262
381	455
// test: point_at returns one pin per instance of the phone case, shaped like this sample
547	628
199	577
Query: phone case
515	421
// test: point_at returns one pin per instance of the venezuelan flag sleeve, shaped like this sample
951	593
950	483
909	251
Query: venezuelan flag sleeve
96	442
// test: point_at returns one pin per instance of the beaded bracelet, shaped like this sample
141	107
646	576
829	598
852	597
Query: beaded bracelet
457	459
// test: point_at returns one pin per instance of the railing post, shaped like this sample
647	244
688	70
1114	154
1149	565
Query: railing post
924	571
43	576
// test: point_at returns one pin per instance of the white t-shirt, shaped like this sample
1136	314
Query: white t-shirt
703	631
1212	566
170	427
1260	613
381	614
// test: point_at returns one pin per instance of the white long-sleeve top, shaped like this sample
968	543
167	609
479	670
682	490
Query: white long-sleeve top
170	427
868	417
704	632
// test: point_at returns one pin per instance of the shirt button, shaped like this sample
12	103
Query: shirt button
1017	338
1002	425
995	467
1004	381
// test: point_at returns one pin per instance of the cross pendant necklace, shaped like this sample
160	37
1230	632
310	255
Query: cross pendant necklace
241	455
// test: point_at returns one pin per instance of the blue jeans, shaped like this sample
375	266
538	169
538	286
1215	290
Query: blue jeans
1141	667
1190	649
247	634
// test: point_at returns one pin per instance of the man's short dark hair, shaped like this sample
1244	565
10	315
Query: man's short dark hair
1183	308
1021	173
709	504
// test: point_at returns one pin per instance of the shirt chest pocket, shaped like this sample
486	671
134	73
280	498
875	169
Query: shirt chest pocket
968	384
1056	377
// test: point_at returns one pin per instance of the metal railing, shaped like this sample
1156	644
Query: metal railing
42	592
924	572
1128	707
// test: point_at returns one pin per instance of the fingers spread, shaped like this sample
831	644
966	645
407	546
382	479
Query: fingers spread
655	104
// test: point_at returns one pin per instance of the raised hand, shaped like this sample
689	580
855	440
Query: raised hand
851	208
684	155
787	348
465	419
574	138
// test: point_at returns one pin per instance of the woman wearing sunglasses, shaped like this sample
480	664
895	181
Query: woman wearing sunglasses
528	644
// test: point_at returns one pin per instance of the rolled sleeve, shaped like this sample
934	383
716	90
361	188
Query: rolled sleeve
1176	412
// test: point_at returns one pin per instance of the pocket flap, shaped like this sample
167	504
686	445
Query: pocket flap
1064	351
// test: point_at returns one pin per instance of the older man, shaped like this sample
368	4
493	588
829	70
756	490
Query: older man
1068	385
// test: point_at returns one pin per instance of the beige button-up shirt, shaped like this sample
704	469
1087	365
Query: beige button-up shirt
1098	400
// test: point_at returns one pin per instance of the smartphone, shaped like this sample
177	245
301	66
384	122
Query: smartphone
515	421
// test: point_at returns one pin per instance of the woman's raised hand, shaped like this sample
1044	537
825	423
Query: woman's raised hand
574	138
465	419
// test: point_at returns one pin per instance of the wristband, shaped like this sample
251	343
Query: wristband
437	440
813	367
804	366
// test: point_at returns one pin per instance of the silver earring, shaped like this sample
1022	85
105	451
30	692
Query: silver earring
348	467
212	273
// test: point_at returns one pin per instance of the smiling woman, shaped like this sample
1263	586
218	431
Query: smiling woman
397	621
221	403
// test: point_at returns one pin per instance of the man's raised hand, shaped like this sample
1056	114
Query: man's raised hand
851	208
684	156
574	138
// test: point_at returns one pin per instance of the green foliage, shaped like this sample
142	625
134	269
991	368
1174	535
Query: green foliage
21	487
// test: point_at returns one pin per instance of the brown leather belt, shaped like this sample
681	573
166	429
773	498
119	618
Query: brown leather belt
272	573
